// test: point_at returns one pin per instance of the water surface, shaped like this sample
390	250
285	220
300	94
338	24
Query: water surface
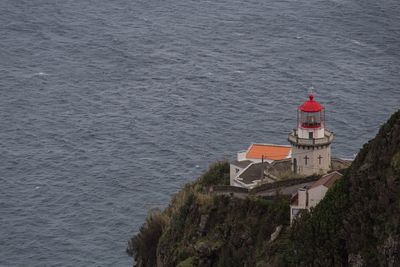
108	107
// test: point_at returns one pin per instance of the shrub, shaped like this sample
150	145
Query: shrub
217	174
144	245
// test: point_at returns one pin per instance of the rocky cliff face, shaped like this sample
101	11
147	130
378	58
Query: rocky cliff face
198	229
223	232
357	223
372	222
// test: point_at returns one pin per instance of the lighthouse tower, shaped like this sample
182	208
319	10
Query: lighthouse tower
311	142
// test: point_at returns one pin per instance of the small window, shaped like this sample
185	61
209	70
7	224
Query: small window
310	135
295	211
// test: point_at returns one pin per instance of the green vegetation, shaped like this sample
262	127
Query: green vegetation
356	224
198	229
218	174
147	239
186	263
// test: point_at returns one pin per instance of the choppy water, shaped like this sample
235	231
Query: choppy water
109	107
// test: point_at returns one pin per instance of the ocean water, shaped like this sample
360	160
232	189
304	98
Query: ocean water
108	107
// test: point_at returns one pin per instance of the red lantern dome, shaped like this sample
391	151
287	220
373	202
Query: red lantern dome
311	105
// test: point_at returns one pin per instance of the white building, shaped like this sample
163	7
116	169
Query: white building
252	166
309	151
308	197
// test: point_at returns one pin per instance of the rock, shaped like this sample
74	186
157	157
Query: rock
391	250
276	233
355	260
203	224
202	249
129	248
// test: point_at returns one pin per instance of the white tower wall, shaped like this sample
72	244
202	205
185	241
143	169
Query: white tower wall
311	159
311	142
305	133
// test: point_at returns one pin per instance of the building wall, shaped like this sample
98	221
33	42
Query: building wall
315	195
241	155
304	133
307	198
313	165
233	172
302	198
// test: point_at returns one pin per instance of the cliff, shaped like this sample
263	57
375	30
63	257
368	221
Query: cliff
357	223
198	229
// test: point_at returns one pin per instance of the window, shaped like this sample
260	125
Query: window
320	159
306	160
310	135
295	211
311	120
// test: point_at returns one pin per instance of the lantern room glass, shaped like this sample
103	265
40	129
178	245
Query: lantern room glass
311	119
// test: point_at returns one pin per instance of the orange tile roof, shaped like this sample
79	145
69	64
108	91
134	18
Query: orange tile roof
271	152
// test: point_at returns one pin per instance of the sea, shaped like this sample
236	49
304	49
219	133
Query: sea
107	108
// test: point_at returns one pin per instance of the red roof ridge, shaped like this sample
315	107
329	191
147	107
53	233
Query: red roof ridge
266	144
327	180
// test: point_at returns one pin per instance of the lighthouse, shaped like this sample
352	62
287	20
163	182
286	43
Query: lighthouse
310	141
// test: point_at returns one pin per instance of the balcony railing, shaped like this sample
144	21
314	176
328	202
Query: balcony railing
327	139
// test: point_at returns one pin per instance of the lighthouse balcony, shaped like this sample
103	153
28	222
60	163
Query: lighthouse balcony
326	140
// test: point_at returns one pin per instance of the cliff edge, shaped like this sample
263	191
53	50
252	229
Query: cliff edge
356	224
